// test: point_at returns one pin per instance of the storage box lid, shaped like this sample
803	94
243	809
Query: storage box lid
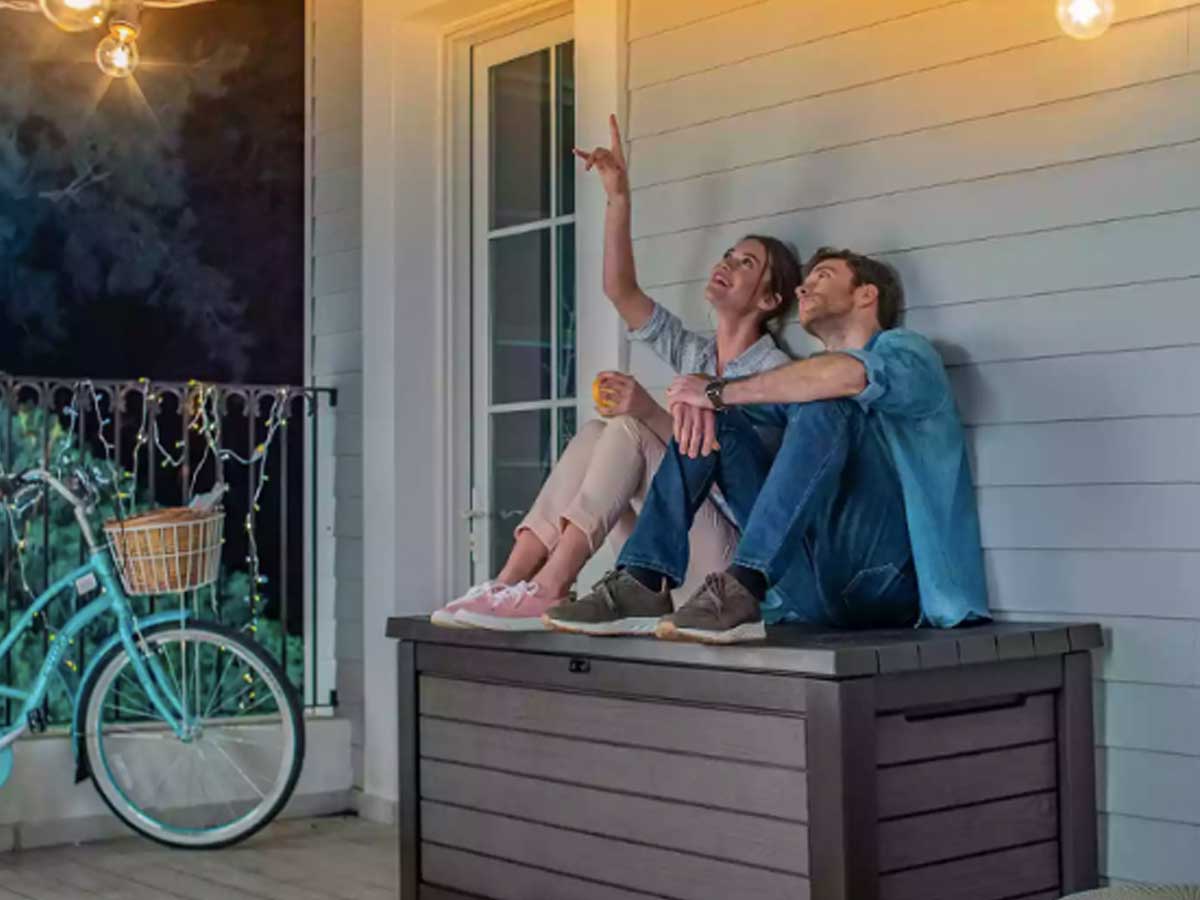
795	649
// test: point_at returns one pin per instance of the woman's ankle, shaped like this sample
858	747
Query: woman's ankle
551	587
508	578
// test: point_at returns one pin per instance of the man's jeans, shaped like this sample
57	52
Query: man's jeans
824	522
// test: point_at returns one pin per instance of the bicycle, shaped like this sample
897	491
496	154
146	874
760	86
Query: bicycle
191	733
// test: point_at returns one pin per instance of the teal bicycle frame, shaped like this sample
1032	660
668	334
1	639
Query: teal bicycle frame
154	680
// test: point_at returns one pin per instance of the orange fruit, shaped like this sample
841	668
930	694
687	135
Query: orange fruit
599	399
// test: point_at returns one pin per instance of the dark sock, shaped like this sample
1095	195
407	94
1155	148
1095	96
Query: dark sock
647	578
751	579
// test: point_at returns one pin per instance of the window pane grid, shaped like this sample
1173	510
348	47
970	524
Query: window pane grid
529	241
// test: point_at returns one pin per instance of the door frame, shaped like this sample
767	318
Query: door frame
545	35
456	375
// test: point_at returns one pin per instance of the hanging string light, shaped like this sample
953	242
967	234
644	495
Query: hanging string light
76	15
1085	19
117	54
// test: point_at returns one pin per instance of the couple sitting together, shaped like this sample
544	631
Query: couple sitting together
833	490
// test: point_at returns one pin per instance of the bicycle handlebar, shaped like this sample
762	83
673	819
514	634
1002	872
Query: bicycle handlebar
10	486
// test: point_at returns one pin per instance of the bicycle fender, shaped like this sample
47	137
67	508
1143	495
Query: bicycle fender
82	772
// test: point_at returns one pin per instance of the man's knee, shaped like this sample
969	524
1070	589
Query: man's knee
733	424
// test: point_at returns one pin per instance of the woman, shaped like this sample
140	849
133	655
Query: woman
601	479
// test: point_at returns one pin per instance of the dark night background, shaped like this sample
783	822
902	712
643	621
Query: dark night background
154	226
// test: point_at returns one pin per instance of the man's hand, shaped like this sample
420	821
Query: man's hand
695	430
609	163
690	390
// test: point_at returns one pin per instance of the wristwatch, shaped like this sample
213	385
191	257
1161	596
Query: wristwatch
713	392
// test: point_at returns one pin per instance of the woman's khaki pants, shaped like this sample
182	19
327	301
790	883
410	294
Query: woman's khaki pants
599	485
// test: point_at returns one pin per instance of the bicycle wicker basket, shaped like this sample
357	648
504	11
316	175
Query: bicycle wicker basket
167	551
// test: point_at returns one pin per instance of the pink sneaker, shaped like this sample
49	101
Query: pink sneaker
518	608
487	591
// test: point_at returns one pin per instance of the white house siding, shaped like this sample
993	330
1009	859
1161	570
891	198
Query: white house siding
1040	196
337	358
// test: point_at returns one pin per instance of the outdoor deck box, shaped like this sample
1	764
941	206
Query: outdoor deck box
902	765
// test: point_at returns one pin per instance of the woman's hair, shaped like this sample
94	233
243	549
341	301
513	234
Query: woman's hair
785	274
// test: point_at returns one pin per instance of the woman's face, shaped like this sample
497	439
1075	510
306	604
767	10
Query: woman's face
739	284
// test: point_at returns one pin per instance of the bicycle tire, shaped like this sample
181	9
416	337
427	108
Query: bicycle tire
142	818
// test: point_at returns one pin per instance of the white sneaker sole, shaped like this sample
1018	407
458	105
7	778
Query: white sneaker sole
446	619
744	633
468	619
634	626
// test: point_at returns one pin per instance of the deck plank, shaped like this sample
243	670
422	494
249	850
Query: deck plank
333	858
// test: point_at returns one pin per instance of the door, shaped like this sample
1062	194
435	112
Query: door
523	277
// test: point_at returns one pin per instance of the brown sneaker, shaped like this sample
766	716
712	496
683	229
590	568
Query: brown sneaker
722	611
618	604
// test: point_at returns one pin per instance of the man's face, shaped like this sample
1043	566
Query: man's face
827	294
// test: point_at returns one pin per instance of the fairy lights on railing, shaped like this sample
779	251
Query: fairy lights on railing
111	437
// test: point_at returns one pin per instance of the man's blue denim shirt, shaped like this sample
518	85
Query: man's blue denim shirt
908	398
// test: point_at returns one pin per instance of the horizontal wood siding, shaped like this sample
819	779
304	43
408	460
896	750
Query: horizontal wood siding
572	795
723	734
484	876
734	786
621	863
997	876
1039	197
687	827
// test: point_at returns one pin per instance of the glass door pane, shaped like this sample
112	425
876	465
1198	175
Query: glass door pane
520	140
565	318
564	55
524	329
519	292
521	460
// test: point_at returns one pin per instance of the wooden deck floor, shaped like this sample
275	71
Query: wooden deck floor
338	858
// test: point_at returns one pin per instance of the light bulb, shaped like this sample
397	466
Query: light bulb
1085	19
77	15
117	58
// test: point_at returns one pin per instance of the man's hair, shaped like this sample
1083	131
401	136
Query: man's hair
868	271
786	273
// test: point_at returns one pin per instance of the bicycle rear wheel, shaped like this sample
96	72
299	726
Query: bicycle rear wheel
240	756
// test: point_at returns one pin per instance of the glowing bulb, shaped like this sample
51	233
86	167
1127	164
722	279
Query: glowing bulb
1085	19
117	58
76	15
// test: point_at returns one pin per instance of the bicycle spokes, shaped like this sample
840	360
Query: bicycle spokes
231	758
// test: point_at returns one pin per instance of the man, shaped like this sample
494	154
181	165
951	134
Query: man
866	517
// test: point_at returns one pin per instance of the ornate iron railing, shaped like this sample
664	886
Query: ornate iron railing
158	444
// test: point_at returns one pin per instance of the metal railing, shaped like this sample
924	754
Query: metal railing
158	444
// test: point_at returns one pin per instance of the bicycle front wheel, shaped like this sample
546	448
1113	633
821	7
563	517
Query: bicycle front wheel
235	765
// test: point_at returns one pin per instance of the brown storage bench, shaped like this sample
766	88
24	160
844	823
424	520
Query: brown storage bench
902	765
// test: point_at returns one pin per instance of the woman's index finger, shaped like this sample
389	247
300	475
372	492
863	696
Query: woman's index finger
614	129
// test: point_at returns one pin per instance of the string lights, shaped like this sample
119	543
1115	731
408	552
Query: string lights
202	419
117	54
1085	19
